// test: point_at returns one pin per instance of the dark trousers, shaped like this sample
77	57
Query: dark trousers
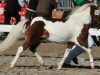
33	4
74	53
96	40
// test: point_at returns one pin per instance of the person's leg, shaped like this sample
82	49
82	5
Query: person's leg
31	9
7	17
75	51
43	9
33	4
16	16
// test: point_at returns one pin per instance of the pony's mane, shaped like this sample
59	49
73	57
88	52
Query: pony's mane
79	9
82	8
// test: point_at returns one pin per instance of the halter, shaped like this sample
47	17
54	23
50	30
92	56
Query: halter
96	18
97	12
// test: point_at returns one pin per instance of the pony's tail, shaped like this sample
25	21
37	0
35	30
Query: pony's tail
12	36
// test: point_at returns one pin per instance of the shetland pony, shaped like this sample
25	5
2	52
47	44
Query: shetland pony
73	31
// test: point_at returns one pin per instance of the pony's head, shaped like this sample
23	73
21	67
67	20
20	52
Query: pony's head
95	14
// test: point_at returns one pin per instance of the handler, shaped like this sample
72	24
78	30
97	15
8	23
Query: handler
40	8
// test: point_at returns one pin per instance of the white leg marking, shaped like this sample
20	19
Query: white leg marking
89	53
20	50
63	59
88	50
39	58
91	58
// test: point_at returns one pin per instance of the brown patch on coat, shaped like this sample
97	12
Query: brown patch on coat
95	18
70	44
34	32
45	34
95	22
83	36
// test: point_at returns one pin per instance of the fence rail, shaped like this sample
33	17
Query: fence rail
67	3
6	28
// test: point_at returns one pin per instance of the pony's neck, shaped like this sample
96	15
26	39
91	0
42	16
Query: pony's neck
82	16
85	16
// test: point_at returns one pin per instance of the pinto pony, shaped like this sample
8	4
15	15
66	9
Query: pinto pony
74	31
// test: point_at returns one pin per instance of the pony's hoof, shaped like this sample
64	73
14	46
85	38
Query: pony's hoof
41	62
59	67
11	65
92	66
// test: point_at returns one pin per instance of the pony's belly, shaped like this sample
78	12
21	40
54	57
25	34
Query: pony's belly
56	39
64	37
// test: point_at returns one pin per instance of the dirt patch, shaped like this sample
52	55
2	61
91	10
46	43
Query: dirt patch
52	53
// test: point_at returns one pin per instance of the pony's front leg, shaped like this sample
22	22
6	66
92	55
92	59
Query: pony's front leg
63	59
91	58
88	50
20	50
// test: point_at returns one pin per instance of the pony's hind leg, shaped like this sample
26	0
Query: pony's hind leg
40	59
33	50
19	51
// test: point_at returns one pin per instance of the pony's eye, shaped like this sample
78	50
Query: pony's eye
97	12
